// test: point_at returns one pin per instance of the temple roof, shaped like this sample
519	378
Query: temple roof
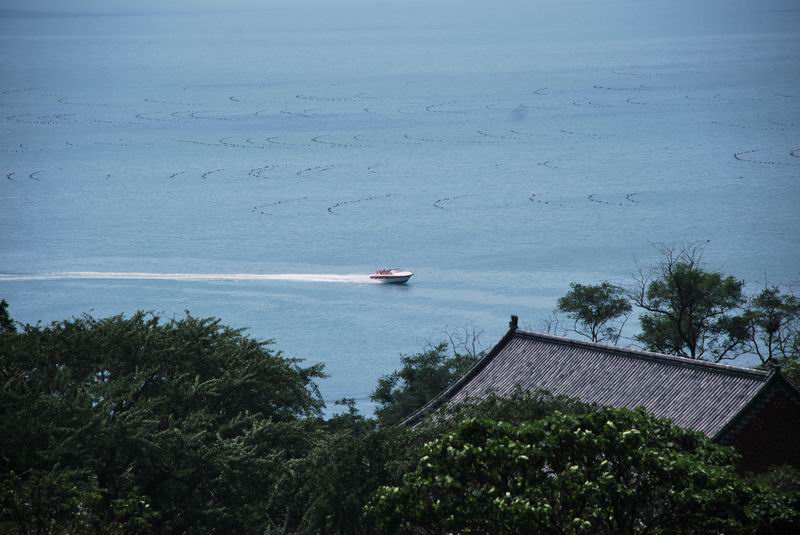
694	394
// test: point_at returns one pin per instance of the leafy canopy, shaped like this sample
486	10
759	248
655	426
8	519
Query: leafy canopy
606	471
354	456
774	326
598	311
690	311
137	425
422	376
6	323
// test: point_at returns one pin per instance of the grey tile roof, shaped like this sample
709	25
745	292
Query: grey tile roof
695	395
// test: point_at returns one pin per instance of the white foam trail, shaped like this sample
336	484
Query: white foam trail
234	277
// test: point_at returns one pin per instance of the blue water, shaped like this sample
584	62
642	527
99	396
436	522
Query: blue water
498	161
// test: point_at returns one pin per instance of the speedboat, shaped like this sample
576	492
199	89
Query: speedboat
394	275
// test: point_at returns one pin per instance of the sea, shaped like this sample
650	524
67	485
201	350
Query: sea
255	161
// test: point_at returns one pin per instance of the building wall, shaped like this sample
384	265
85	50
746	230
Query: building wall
767	433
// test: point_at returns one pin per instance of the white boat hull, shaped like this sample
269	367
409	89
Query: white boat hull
393	278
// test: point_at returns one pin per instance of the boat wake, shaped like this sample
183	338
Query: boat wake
189	277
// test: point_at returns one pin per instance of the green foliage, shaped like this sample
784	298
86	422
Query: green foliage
791	370
134	424
56	501
351	457
605	471
773	511
422	377
774	326
785	478
6	323
598	311
138	425
689	311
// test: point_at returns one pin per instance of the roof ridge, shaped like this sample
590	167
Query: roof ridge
649	355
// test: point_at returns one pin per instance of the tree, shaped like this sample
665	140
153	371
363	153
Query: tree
353	457
689	311
606	471
791	370
598	311
142	425
423	376
6	323
774	326
54	501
